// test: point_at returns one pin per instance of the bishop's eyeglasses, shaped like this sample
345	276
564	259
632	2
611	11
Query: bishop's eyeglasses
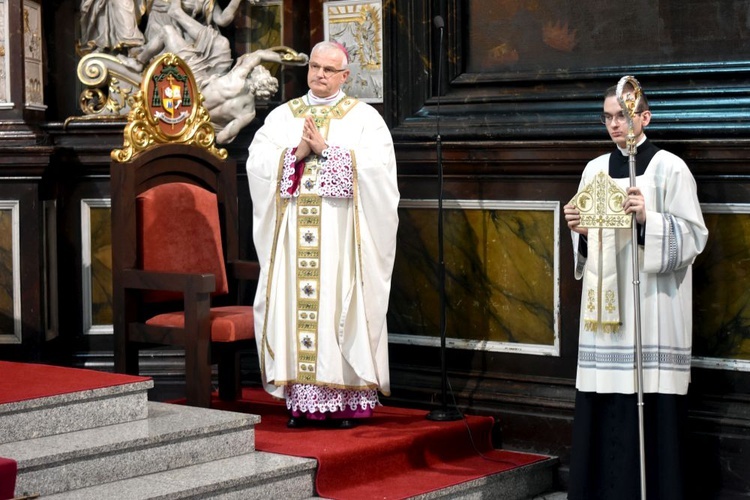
606	118
327	70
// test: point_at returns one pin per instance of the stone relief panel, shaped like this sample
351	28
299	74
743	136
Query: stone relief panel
358	25
32	38
4	91
115	53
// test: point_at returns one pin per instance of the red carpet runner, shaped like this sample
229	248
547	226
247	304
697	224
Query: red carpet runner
23	381
397	454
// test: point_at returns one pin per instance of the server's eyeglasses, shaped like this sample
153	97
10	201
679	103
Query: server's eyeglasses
606	118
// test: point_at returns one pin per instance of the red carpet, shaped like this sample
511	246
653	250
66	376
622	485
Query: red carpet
23	381
396	454
8	470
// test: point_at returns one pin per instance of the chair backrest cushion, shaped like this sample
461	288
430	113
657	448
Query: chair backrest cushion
179	231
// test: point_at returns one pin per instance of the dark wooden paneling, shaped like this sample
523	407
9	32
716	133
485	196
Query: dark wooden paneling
532	396
80	169
697	98
506	135
23	170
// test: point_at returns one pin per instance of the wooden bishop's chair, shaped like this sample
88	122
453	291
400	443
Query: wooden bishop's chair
175	254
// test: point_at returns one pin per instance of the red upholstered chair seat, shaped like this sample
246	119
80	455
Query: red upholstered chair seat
228	323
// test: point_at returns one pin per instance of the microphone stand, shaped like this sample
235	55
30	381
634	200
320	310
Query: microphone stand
442	414
629	105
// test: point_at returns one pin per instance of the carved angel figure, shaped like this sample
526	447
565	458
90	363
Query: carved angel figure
110	25
189	29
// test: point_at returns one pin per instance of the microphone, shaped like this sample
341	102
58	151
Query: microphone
439	24
443	413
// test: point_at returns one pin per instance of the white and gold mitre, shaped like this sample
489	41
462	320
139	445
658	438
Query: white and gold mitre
600	204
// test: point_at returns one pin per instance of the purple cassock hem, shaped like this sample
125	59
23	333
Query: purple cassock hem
339	414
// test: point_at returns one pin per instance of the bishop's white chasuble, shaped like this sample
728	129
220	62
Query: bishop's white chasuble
326	259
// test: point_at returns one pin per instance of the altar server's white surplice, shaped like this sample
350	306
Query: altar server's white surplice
675	234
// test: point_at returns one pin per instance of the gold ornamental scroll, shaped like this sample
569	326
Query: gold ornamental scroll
168	109
600	204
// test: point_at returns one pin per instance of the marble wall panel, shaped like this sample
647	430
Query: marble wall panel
501	273
6	272
96	229
501	279
10	279
260	26
721	291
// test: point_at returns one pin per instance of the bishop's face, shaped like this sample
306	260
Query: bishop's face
617	124
325	74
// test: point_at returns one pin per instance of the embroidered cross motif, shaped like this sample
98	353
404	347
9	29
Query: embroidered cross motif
600	203
590	304
609	298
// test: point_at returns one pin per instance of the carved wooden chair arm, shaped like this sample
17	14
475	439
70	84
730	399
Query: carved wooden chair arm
173	282
245	269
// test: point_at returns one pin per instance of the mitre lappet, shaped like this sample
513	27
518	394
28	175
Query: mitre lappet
600	203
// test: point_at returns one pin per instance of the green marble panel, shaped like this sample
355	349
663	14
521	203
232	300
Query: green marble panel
265	25
259	26
101	266
6	273
500	275
721	295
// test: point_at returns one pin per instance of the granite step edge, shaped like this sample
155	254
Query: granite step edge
75	411
256	475
173	436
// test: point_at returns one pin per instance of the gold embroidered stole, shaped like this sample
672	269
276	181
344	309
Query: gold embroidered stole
602	312
308	206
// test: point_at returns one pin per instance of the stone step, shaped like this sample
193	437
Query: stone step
75	411
172	437
531	482
517	484
257	475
